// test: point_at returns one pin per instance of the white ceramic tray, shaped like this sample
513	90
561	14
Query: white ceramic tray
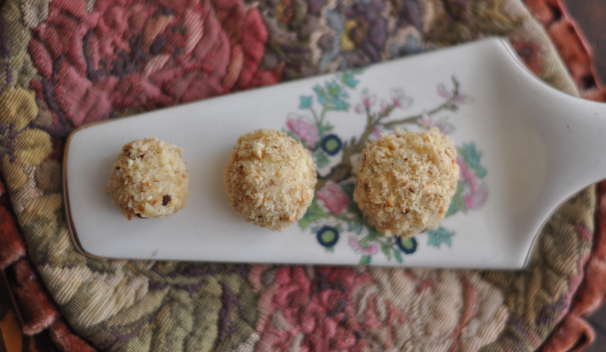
509	129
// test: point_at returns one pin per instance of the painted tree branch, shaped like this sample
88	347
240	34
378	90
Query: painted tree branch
449	104
343	170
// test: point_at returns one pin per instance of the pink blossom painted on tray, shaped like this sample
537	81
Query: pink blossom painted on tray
333	211
333	196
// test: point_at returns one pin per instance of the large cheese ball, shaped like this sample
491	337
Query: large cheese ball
406	180
270	179
149	179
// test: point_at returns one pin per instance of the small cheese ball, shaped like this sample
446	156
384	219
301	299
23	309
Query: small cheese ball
270	179
149	179
406	180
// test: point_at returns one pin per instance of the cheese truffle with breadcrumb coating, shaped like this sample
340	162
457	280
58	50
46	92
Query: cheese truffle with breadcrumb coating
270	179
149	179
406	180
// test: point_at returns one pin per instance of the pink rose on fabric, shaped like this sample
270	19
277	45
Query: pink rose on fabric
465	323
355	244
333	196
305	130
140	55
477	194
299	306
308	313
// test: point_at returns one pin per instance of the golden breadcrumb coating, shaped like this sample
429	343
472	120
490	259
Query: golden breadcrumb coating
406	180
270	179
149	179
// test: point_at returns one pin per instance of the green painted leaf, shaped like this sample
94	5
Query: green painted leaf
357	228
472	158
458	200
364	242
333	89
452	209
293	136
348	187
439	236
348	79
321	158
457	203
397	255
366	259
354	209
313	213
373	232
306	102
327	128
320	94
340	105
386	250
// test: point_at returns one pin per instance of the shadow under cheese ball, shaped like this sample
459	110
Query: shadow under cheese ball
149	179
270	179
406	180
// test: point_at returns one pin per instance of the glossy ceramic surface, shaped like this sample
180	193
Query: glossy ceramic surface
523	147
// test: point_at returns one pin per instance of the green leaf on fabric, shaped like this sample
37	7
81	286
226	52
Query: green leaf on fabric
366	259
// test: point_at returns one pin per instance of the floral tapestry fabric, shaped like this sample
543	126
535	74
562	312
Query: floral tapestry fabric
65	63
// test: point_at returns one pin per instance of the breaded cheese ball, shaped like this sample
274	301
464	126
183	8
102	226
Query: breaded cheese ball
406	180
149	179
270	179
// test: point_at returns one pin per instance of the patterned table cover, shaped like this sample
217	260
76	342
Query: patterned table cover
66	63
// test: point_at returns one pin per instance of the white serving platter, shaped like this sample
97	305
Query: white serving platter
505	141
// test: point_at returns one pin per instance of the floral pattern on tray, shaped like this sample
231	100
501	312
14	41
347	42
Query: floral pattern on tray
333	212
